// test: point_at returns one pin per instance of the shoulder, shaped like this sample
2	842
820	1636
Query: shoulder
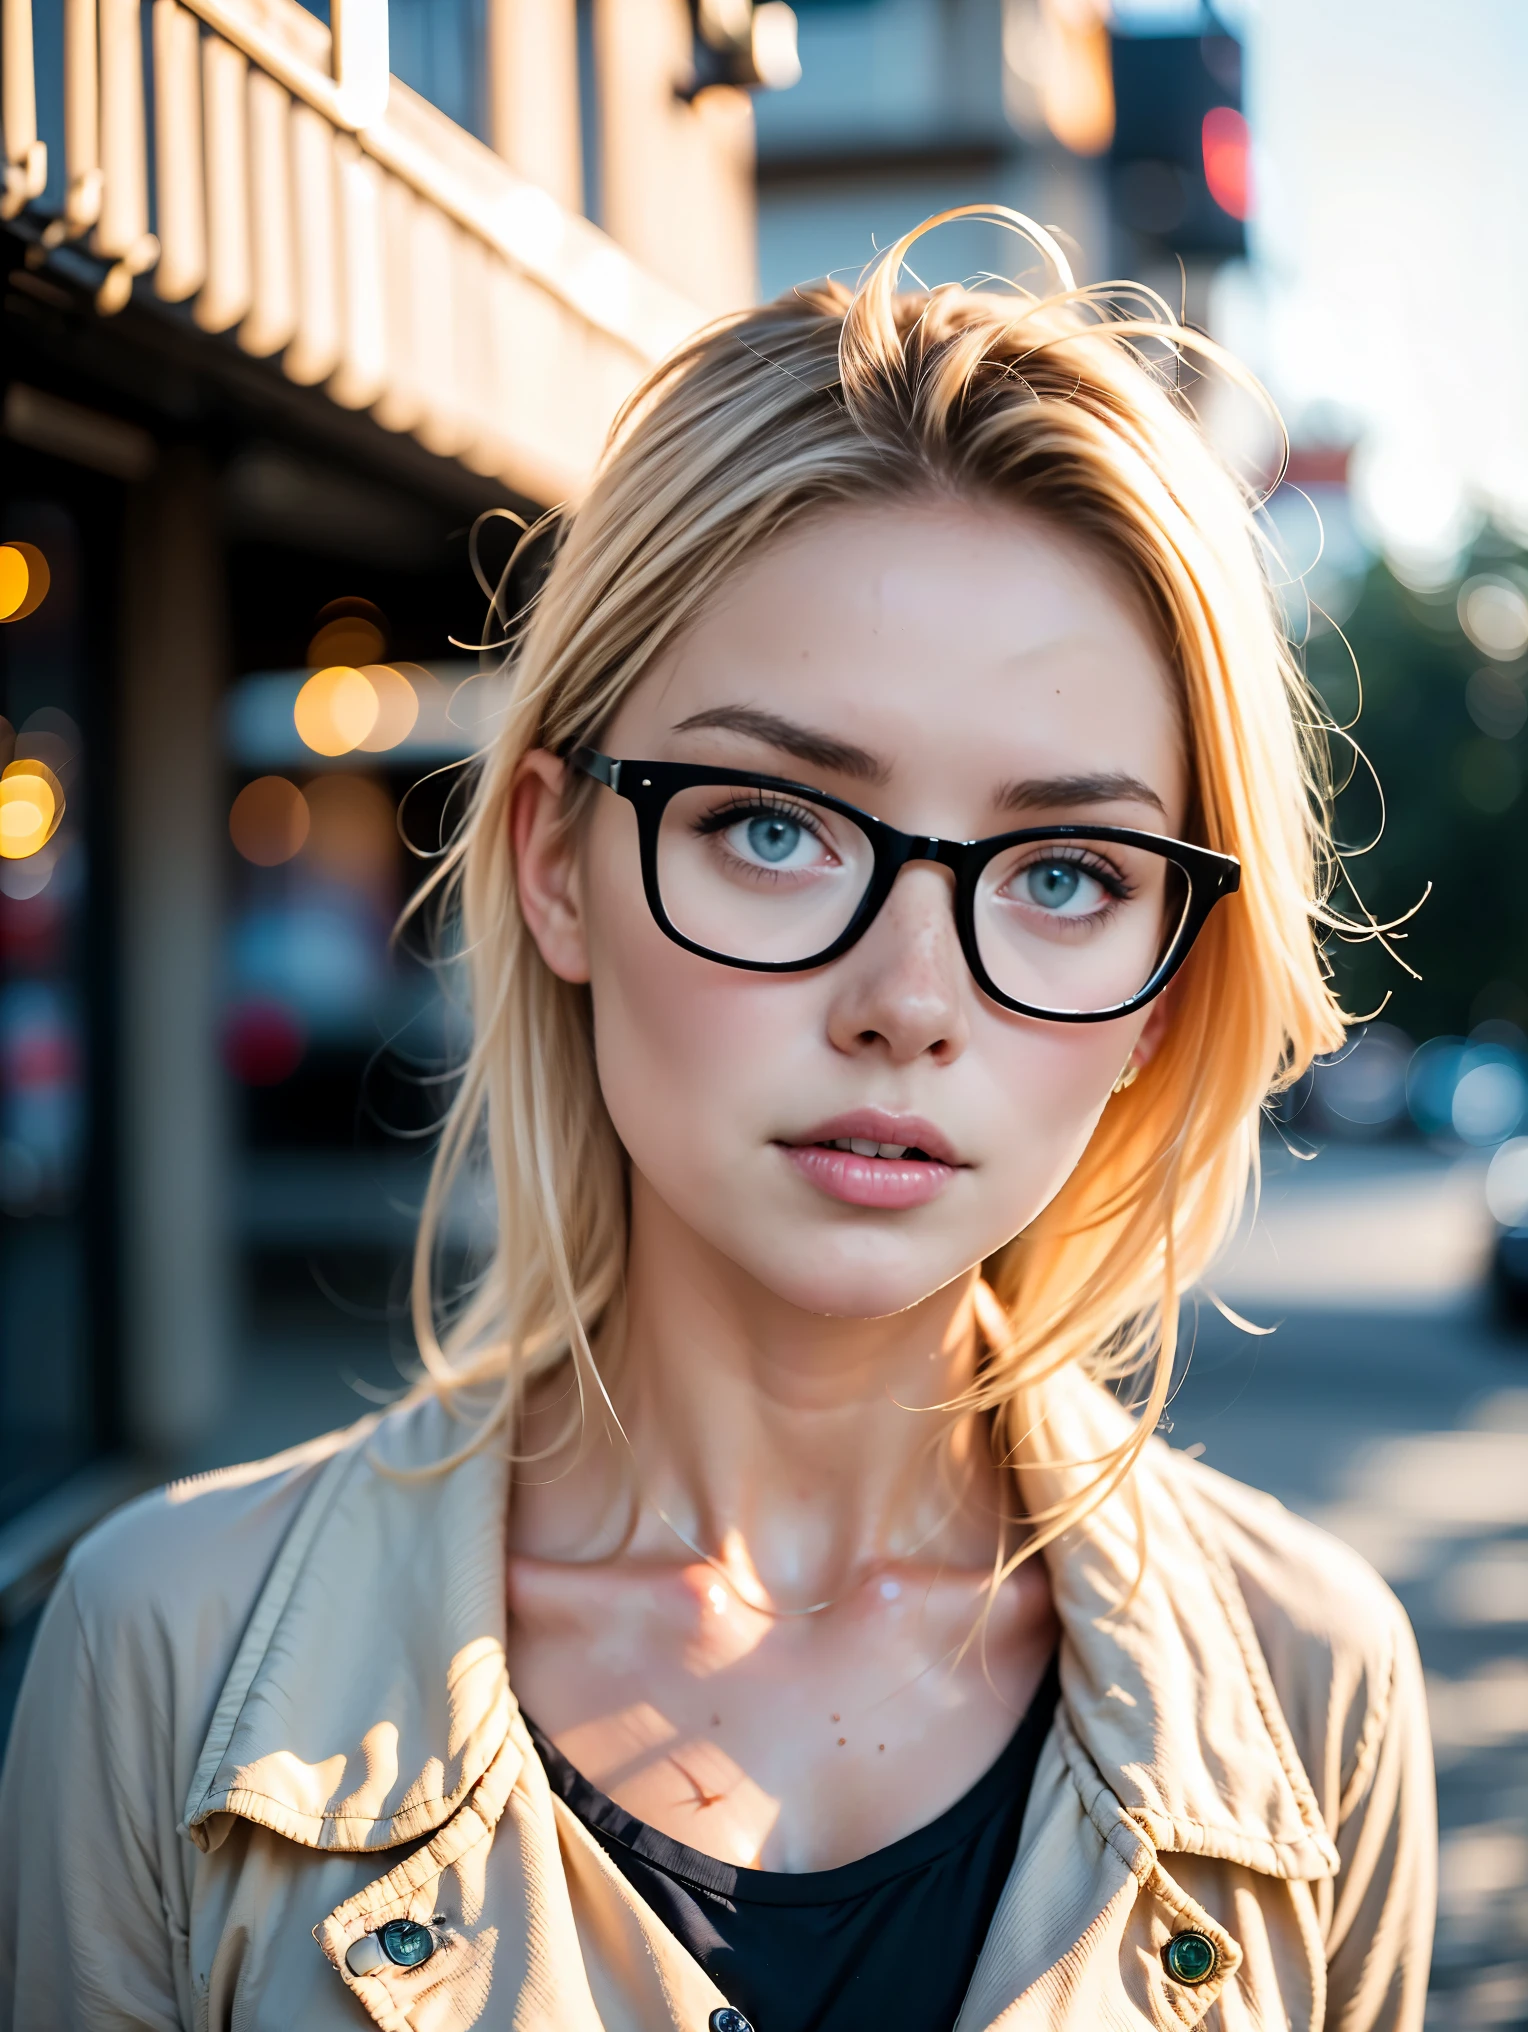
1338	1645
203	1546
155	1599
176	1574
1301	1584
196	1546
130	1658
166	1611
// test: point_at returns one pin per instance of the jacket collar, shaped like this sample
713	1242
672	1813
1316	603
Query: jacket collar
1164	1682
370	1695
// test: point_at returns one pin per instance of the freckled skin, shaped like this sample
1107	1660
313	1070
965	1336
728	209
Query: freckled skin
778	1748
780	1342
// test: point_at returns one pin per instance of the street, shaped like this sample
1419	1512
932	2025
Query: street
1390	1407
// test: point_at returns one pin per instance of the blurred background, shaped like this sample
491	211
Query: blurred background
284	313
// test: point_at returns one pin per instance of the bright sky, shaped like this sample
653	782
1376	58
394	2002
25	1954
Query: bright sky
1391	242
1394	241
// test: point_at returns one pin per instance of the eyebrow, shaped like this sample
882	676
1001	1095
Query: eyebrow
1047	793
826	751
807	744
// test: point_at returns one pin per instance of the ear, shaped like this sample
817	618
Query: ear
546	864
1158	1018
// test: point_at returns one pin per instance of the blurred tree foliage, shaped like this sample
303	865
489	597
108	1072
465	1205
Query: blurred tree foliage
1443	727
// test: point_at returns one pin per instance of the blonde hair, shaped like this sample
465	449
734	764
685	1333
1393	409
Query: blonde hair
1067	405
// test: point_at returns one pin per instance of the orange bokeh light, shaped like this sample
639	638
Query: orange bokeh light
351	638
31	806
269	821
24	580
349	630
355	835
336	710
397	708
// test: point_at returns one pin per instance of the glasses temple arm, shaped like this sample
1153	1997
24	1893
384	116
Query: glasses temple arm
590	762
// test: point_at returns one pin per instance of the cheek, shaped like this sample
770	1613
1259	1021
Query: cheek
693	1056
1048	1084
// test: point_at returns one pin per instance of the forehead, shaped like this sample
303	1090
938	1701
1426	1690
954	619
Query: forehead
946	637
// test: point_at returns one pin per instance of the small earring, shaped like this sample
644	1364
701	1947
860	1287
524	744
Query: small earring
1127	1078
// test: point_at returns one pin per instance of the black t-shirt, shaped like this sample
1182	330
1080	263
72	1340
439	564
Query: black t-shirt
889	1940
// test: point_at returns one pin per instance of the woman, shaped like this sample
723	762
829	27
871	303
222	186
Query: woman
888	901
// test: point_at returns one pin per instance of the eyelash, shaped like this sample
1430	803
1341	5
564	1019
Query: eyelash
1108	877
761	805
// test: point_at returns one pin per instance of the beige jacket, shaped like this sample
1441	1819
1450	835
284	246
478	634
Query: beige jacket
268	1713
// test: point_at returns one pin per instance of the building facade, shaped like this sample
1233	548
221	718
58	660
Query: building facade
292	297
1116	123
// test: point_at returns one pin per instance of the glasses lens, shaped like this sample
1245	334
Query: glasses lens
1077	925
759	875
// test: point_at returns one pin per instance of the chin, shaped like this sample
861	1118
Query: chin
835	1283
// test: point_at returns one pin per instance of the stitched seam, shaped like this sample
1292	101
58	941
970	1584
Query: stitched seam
392	1893
484	1800
1120	1833
260	1809
122	1803
401	1826
570	1828
298	1542
1288	1862
449	1845
1210	1830
1167	1832
1170	1893
1237	1615
444	1812
1371	1736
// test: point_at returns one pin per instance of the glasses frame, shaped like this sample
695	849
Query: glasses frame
648	788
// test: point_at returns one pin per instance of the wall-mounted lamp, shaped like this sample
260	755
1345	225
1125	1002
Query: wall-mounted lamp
746	43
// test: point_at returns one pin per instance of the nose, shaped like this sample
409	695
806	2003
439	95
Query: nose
904	989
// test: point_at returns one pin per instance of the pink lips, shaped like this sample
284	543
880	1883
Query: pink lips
889	1182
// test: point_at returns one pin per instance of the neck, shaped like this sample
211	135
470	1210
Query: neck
798	1452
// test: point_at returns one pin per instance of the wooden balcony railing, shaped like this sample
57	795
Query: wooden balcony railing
327	216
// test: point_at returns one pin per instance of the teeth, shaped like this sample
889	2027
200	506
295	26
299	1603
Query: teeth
861	1146
890	1149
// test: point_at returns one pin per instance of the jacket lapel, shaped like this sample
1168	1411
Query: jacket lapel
1169	1740
1162	1675
1077	1941
369	1695
548	1924
369	1708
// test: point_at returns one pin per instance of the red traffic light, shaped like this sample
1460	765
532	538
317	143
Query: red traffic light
1227	144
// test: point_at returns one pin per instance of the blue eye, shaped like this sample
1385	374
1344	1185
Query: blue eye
1053	884
773	838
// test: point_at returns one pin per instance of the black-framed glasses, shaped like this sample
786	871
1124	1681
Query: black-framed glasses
1074	923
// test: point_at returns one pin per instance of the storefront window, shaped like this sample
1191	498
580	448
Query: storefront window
50	1414
346	735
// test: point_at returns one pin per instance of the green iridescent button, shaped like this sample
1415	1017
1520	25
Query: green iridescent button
1190	1958
406	1943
